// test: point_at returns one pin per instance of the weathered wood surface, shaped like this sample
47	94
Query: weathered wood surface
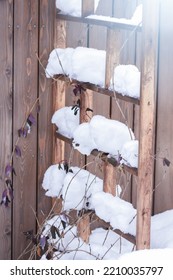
147	122
25	94
6	72
46	37
163	195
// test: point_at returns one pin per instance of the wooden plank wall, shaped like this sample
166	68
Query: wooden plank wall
6	77
25	36
28	32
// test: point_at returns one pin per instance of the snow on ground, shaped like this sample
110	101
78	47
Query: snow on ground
106	244
72	7
80	189
88	65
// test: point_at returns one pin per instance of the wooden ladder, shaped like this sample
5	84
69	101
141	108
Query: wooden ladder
147	102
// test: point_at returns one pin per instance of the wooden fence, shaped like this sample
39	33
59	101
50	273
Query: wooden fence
28	32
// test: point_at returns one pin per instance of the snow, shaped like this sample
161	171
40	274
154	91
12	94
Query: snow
106	135
66	120
88	65
126	80
53	180
114	210
77	183
103	134
135	20
72	7
106	244
129	153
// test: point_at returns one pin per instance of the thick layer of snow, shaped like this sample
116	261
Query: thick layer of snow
114	210
53	180
82	64
126	80
66	120
72	7
88	65
105	244
129	153
78	184
102	244
102	134
149	255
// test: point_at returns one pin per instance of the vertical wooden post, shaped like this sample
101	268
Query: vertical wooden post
59	90
86	101
83	227
112	53
147	121
112	59
87	7
109	179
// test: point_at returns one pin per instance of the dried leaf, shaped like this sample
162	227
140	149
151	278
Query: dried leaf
8	170
31	119
5	200
53	231
18	151
88	110
166	162
9	183
43	241
65	166
38	251
22	132
63	224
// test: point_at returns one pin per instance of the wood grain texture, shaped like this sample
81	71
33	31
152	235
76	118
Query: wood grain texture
124	53
163	195
147	122
87	7
45	139
6	76
25	94
77	34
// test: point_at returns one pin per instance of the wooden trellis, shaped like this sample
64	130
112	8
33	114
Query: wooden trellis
147	104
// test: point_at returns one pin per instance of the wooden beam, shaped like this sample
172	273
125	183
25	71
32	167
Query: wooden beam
96	89
103	156
99	22
147	121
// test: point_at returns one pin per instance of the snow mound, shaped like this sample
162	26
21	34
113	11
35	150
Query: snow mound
114	210
66	120
88	65
102	134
